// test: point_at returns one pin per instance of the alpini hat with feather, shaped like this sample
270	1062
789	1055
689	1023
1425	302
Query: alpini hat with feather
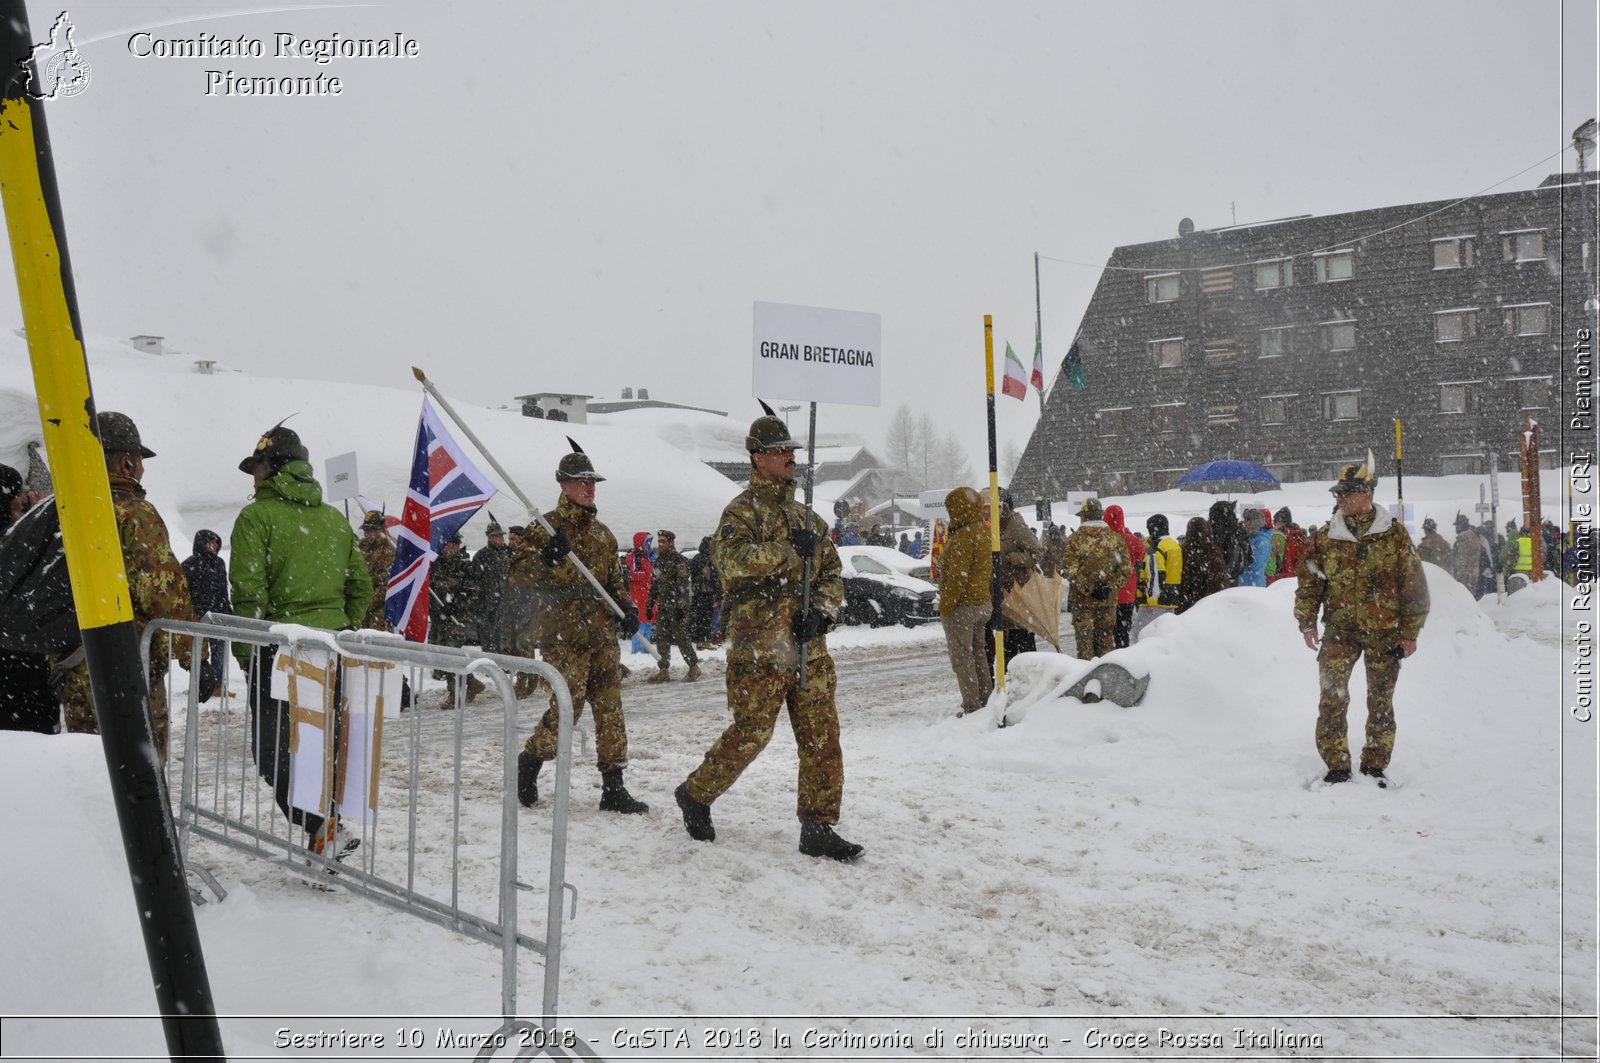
576	466
768	432
276	446
374	521
1355	477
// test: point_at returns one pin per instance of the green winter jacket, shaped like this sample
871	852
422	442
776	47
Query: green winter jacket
1366	584
296	560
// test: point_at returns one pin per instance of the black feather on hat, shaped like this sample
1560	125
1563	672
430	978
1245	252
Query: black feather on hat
575	448
769	410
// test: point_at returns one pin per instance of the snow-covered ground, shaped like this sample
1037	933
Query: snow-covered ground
1089	873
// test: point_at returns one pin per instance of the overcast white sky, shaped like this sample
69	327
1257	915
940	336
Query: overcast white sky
590	195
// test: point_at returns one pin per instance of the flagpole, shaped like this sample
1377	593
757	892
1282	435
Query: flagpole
805	577
444	404
994	521
1038	328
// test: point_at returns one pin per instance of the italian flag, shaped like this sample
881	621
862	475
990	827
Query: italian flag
1016	381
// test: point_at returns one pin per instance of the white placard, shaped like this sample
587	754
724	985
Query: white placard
340	471
816	355
932	505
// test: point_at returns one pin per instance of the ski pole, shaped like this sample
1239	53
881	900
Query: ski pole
805	576
505	477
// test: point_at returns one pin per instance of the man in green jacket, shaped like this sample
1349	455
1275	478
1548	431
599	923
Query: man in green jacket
1362	574
295	560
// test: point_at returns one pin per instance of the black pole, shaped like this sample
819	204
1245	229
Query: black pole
805	589
94	557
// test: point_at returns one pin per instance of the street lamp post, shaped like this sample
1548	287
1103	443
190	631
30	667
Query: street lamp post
787	410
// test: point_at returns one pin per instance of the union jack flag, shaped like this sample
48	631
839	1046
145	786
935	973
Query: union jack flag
446	490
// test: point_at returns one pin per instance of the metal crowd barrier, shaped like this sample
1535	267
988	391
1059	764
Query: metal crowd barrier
224	799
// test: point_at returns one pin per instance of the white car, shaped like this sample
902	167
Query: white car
919	567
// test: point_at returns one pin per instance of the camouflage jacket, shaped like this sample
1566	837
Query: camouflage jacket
669	587
566	607
1365	578
1467	559
492	568
1095	555
157	587
762	574
1020	552
450	600
380	562
1434	549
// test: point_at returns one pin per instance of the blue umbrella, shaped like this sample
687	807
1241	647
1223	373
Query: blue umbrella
1228	476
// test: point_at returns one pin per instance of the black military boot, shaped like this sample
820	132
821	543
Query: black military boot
1337	775
528	767
614	797
818	839
696	817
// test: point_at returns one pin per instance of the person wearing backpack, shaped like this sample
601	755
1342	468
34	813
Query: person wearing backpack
157	587
26	703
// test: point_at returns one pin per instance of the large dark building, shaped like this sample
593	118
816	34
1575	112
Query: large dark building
1296	343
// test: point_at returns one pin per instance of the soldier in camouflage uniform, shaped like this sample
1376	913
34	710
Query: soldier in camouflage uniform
518	612
762	541
1468	558
1434	548
451	582
379	553
491	569
1096	564
577	631
1362	574
157	587
669	604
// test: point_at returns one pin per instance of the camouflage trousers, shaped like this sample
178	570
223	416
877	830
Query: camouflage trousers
1335	663
594	675
78	704
1093	628
756	692
672	629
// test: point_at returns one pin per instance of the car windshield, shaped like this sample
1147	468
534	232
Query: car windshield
867	565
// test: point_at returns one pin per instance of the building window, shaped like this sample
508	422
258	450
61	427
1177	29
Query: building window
1532	319
1166	479
1276	274
1162	288
1287	473
1120	481
1168	352
1274	342
1169	419
1453	326
1456	398
1222	415
1337	335
1453	252
1334	266
566	400
1221	351
1216	281
1461	465
1525	246
1533	393
1341	406
1275	409
1112	422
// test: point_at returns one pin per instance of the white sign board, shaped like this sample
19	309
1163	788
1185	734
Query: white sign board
340	473
932	503
816	355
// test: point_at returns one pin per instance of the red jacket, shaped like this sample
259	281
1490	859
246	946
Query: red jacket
640	573
1136	549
